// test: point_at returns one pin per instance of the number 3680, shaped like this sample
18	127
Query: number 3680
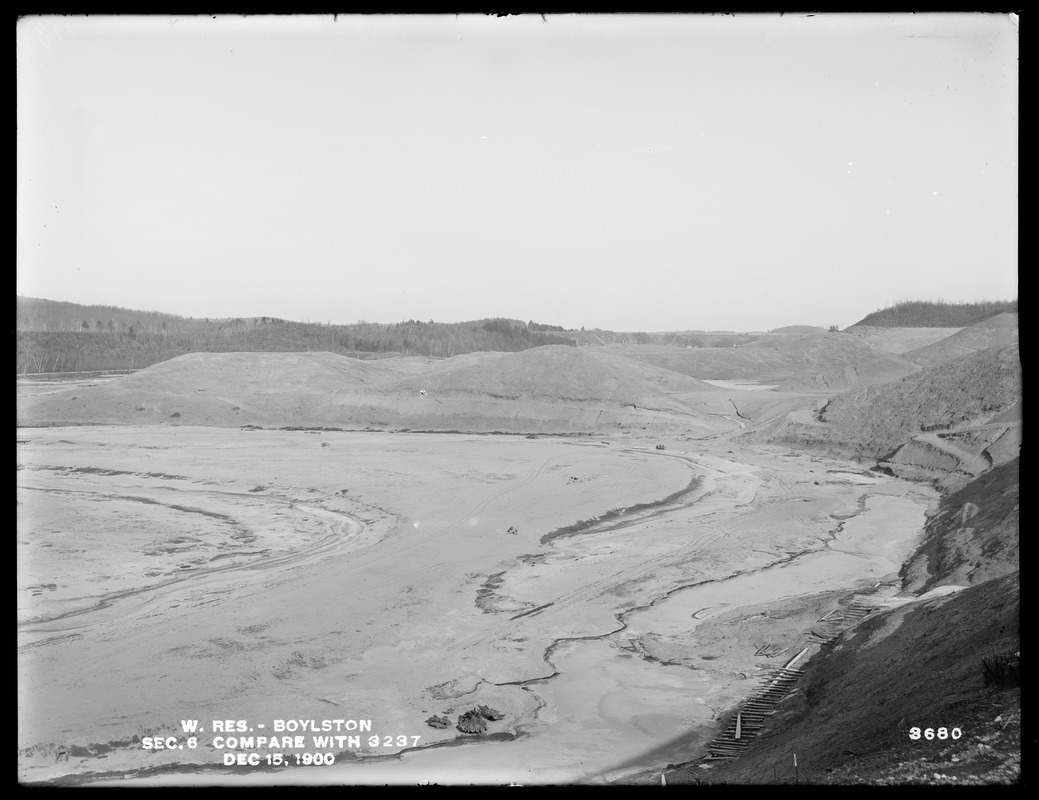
932	733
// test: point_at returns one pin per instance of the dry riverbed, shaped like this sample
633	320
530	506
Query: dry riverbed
584	588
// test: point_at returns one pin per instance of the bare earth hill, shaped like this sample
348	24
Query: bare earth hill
997	331
791	361
899	340
933	333
210	389
799	329
557	372
547	389
947	411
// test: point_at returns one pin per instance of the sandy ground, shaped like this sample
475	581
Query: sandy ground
747	386
31	387
602	594
900	340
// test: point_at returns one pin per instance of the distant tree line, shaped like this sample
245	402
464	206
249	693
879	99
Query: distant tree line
537	326
444	339
54	336
67	337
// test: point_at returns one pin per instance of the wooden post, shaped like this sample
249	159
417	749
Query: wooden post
739	724
797	775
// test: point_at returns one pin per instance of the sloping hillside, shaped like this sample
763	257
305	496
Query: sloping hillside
935	314
876	421
262	372
899	340
997	331
929	347
595	337
792	361
799	329
548	389
918	664
68	337
827	361
560	373
974	535
970	389
916	661
224	389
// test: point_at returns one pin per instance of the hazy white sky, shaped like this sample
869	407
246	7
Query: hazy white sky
625	172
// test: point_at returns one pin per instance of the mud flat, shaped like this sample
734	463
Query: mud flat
356	595
746	386
405	577
34	386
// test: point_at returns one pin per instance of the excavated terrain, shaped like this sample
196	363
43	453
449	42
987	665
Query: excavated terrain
265	536
954	420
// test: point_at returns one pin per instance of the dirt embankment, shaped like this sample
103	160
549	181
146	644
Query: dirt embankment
551	389
998	331
973	537
792	361
918	665
899	340
916	662
941	420
557	373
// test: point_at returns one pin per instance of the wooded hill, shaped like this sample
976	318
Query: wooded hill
935	314
68	337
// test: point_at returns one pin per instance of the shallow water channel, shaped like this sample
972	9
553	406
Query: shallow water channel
606	705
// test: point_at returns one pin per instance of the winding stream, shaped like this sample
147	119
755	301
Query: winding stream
603	705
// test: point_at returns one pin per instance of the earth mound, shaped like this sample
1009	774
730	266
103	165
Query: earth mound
552	389
899	340
555	372
226	389
264	372
791	361
997	331
947	411
799	329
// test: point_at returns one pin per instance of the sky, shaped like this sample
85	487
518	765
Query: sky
626	172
